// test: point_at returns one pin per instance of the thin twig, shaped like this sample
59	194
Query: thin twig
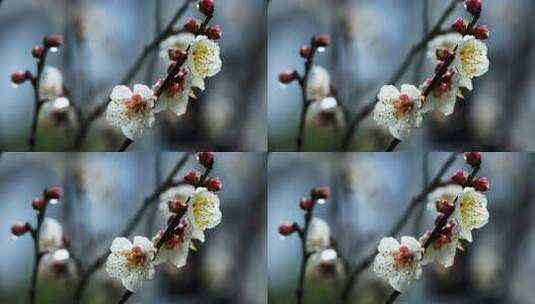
38	103
126	143
420	46
303	82
302	232
130	226
418	199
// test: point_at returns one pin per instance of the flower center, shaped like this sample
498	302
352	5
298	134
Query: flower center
136	257
403	257
471	57
202	211
470	211
203	57
136	105
403	105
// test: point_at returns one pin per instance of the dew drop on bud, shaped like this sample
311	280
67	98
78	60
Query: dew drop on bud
53	49
14	237
53	201
321	201
14	85
282	85
282	237
321	49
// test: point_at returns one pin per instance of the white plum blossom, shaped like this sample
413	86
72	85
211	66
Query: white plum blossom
176	96
448	192
180	41
470	60
325	113
176	248
444	247
203	60
318	235
399	111
397	263
444	96
51	84
131	111
131	263
318	84
203	212
470	212
180	193
51	235
447	41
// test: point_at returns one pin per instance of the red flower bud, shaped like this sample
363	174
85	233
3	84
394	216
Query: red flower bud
474	6
459	25
192	25
481	184
214	32
306	203
214	184
473	158
443	54
320	193
206	7
321	40
53	193
481	32
192	177
177	206
305	51
444	206
38	203
19	229
285	229
178	55
38	51
55	40
206	159
19	77
459	177
287	76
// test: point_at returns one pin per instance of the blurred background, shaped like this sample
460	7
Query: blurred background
102	193
370	40
103	39
370	191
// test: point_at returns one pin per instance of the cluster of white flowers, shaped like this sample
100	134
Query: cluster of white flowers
134	263
402	111
134	111
401	264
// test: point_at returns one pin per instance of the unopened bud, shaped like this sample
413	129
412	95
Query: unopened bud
206	159
320	193
20	229
19	77
176	206
214	32
459	25
206	7
38	51
55	40
54	193
287	77
482	32
459	177
473	158
192	177
481	184
305	51
214	184
38	203
192	25
321	40
178	55
443	54
444	206
305	203
474	6
285	229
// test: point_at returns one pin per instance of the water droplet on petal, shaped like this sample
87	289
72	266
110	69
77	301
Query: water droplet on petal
14	237
282	85
53	201
321	49
282	237
14	85
53	49
321	201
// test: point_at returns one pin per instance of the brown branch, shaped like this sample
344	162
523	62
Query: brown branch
131	225
302	232
130	74
38	102
303	82
420	46
126	143
417	200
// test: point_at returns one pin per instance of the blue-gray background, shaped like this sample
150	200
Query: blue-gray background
370	39
102	193
103	38
370	192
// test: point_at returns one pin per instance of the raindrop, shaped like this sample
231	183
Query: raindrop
282	85
53	49
53	201
321	201
14	85
282	237
321	49
14	237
